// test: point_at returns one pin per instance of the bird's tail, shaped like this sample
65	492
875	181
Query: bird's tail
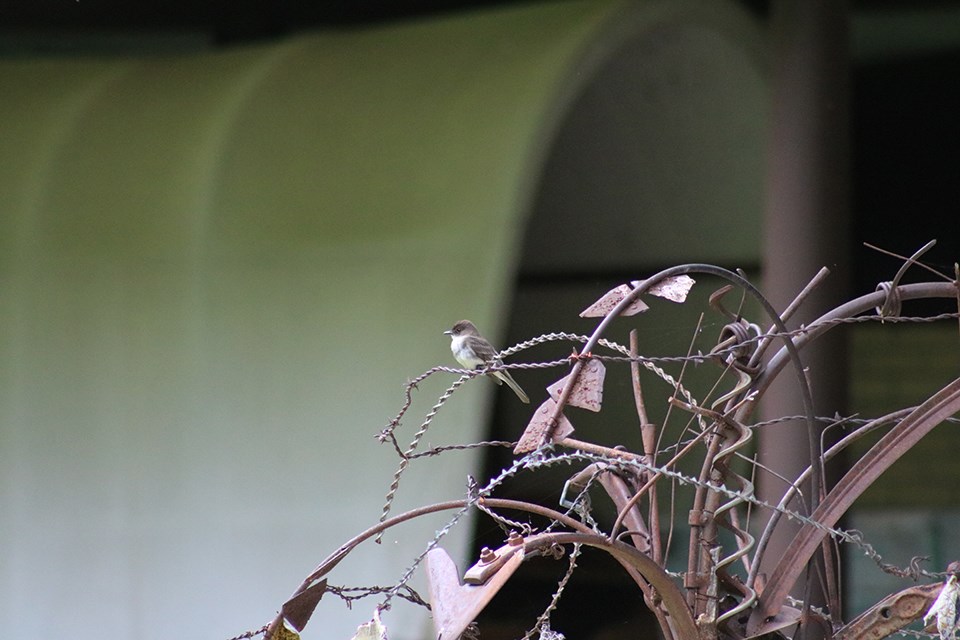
506	377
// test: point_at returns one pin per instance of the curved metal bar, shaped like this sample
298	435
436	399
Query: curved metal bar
884	453
789	346
685	269
850	309
670	594
334	558
828	455
814	330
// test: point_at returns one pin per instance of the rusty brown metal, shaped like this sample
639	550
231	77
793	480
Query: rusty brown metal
717	603
620	492
884	453
298	609
490	562
540	426
674	288
610	300
670	596
890	614
829	320
456	605
587	392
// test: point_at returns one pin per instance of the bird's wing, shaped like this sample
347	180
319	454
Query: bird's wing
481	348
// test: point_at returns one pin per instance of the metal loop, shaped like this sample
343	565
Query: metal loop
892	304
736	345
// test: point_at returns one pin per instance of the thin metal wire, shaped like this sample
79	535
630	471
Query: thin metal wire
541	458
543	620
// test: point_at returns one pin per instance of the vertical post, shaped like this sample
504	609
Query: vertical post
805	222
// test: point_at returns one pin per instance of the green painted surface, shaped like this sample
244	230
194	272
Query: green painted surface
217	271
897	367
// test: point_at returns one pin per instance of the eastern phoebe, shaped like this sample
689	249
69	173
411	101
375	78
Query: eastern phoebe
473	351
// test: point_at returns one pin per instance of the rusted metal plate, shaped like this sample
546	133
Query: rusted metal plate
535	433
611	299
587	393
887	450
674	289
890	614
456	605
786	617
298	609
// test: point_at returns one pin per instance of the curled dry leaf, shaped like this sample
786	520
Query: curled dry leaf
373	630
284	632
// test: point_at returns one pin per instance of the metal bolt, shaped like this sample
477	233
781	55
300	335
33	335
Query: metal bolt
487	555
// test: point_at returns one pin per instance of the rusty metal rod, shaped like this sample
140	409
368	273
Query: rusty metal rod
670	595
888	449
814	330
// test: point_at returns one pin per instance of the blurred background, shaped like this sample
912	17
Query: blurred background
231	231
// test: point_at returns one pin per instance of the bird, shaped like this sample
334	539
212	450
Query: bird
473	351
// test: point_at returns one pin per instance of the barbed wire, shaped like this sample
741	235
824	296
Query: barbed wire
351	594
387	432
405	455
543	620
529	461
545	457
852	420
435	451
472	500
246	635
699	357
505	523
852	537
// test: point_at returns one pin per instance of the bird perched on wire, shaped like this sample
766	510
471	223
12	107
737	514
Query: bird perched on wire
473	351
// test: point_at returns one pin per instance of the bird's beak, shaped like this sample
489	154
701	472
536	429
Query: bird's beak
448	332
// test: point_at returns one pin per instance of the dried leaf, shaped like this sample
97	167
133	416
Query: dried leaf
674	288
536	431
944	609
587	393
611	299
284	632
373	630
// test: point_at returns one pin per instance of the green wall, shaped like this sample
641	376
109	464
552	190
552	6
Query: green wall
217	271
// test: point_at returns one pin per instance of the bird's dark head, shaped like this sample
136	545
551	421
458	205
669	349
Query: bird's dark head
462	328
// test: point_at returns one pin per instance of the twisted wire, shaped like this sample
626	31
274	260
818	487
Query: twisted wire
852	537
405	457
543	620
540	458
